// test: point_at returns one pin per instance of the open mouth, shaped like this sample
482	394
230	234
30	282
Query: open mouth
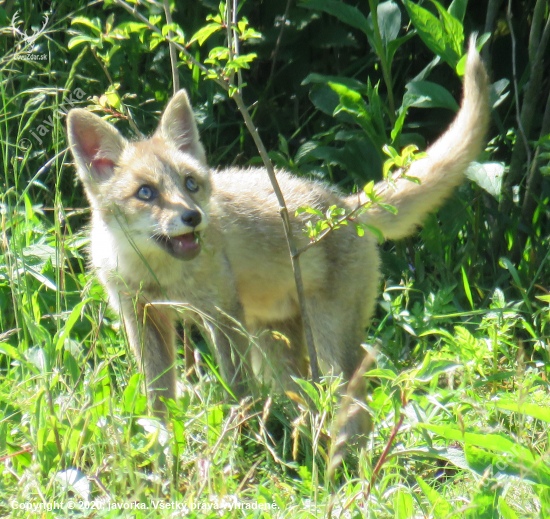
185	246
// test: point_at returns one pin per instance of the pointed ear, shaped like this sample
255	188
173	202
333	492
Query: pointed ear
96	146
178	127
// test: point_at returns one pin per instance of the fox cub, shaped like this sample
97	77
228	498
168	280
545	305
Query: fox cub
171	237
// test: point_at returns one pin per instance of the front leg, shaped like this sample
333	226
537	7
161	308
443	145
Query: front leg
230	345
151	333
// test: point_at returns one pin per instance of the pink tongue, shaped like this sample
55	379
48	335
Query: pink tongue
184	241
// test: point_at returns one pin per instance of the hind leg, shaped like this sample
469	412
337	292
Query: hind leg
338	332
281	353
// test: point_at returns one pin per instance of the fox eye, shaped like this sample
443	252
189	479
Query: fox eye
191	184
146	193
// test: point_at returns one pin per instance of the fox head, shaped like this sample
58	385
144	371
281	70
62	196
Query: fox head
156	190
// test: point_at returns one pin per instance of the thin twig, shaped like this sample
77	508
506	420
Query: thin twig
271	173
283	211
236	43
18	453
384	455
102	65
278	43
173	57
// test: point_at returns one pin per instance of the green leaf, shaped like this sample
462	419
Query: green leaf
493	442
131	393
94	24
488	176
497	377
425	94
507	264
73	317
435	368
71	366
81	38
395	44
390	151
376	231
536	411
129	27
439	36
205	32
345	13
352	102
509	463
506	511
309	210
350	83
458	9
389	21
440	506
467	288
309	390
403	505
453	29
381	373
388	207
482	505
396	132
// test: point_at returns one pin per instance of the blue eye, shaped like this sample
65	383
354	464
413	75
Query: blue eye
146	193
191	184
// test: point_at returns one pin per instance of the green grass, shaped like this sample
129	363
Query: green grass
74	422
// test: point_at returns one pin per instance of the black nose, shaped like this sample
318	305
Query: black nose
191	218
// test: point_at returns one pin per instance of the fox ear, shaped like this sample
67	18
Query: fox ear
96	146
177	125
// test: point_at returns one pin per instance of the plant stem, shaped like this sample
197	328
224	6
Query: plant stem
384	455
173	57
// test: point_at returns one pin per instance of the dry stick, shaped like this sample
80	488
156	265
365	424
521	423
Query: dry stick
271	173
283	211
173	62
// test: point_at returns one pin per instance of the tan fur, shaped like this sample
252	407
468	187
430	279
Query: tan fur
243	271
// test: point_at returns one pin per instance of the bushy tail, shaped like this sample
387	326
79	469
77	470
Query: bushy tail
443	168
